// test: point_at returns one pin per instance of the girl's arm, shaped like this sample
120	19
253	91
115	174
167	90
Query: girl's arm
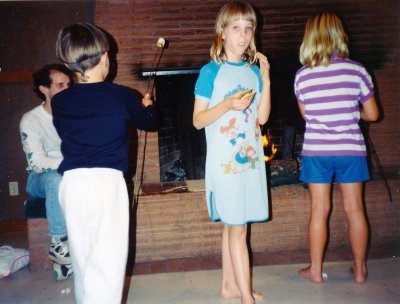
202	117
301	108
264	107
369	110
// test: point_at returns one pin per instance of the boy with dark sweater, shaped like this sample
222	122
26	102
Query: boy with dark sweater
92	121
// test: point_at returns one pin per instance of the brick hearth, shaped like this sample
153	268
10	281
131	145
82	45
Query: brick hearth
177	225
174	228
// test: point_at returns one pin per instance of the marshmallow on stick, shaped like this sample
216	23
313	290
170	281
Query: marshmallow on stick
161	43
160	46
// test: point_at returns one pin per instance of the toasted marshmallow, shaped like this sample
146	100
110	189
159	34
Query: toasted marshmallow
161	43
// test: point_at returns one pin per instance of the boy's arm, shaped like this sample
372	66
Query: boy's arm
146	119
142	115
38	159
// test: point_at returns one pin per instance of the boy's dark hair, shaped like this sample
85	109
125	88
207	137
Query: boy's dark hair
42	76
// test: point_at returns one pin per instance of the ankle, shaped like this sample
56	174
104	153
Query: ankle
316	271
59	239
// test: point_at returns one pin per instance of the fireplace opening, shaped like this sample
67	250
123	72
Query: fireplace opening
182	148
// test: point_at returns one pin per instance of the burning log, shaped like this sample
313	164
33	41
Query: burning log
283	167
283	172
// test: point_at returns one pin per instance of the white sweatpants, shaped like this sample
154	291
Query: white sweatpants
96	207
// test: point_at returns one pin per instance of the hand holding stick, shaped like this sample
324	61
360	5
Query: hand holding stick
146	101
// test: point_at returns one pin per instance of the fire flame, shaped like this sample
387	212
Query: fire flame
265	143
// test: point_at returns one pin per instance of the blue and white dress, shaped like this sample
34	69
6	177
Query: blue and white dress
236	181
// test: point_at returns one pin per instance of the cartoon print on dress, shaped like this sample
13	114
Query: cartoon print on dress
244	155
248	111
232	132
234	91
252	157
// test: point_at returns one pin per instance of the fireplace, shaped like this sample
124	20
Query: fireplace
182	148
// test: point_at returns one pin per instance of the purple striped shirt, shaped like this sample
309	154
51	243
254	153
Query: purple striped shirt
331	96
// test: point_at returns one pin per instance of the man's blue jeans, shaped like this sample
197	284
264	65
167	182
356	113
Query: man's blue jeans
45	185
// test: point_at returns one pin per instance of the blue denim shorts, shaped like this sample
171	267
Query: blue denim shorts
340	169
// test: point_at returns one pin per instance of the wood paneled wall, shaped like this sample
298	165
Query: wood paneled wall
28	33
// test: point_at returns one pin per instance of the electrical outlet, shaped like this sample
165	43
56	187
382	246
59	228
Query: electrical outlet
13	188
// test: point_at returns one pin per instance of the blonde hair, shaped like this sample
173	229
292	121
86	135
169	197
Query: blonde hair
229	12
80	46
324	35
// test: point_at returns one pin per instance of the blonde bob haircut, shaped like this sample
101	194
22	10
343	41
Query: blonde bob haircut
324	35
229	12
80	47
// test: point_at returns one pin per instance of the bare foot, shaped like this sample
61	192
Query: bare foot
306	274
360	274
229	294
258	295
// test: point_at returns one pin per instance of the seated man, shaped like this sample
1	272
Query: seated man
41	145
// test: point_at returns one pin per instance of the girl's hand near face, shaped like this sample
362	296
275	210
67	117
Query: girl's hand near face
264	67
264	106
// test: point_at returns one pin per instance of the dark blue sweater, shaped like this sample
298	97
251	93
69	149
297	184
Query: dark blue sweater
93	120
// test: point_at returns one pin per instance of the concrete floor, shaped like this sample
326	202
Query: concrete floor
279	283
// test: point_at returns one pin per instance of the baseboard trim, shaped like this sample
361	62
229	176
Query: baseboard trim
13	226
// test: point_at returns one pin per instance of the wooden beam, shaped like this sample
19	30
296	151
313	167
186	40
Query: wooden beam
15	77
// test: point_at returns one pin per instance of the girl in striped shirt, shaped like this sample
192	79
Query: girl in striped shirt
333	94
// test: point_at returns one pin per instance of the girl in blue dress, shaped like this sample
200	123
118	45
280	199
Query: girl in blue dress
232	100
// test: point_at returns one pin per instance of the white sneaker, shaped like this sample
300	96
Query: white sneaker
62	272
58	252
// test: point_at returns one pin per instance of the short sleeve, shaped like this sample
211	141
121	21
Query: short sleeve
205	82
366	85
